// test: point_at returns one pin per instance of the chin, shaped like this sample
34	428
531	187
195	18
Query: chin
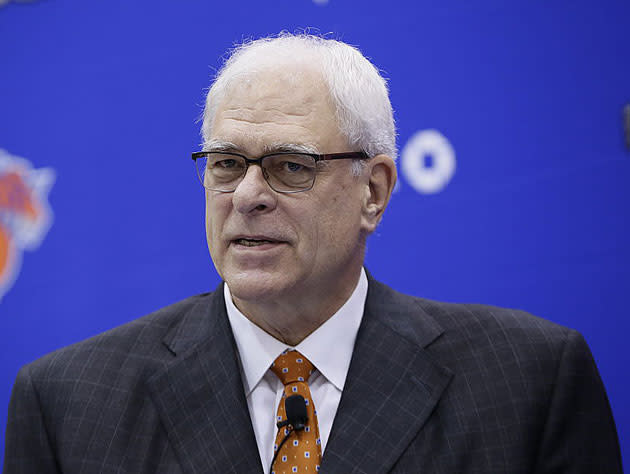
256	284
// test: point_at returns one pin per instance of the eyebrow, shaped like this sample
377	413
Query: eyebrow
291	147
222	145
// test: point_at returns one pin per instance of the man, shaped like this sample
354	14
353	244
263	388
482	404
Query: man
301	361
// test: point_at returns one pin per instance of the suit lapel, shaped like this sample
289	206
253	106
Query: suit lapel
391	389
200	395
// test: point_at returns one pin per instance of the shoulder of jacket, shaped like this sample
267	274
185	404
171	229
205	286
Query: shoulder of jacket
140	337
472	323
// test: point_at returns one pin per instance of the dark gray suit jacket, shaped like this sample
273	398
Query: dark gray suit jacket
432	388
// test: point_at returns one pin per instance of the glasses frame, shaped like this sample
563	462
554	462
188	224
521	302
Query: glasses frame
349	155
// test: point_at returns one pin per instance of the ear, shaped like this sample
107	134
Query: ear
381	177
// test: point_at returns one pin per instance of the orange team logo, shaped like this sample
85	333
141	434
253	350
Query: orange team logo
25	214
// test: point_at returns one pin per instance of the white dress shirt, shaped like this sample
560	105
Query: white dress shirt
329	348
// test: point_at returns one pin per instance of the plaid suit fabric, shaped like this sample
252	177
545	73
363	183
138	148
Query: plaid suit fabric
432	388
132	400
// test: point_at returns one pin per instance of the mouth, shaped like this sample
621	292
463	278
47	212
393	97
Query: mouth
255	241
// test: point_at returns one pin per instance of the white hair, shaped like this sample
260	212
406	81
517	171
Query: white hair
357	89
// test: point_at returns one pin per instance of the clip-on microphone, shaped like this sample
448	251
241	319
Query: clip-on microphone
295	408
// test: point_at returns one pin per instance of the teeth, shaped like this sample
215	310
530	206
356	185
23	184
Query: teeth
252	242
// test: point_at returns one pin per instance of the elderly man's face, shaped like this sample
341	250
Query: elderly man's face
268	245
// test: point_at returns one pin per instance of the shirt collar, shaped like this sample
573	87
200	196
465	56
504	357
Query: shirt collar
329	347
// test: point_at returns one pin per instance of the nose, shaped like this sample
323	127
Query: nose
253	195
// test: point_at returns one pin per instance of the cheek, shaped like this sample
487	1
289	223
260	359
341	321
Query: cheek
213	231
339	224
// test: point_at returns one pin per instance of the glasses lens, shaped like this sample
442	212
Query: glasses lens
290	172
220	171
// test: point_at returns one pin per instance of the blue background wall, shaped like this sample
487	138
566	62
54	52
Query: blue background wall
528	93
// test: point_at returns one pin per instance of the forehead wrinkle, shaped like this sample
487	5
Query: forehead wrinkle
247	132
254	131
256	116
295	112
273	121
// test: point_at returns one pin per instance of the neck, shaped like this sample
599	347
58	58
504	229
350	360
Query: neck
292	319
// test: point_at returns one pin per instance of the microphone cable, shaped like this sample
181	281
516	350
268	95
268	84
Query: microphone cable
286	437
295	408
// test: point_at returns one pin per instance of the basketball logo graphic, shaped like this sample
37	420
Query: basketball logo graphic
25	214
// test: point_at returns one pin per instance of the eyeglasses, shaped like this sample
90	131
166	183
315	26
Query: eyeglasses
285	172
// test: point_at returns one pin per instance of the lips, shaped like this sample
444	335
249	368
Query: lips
255	240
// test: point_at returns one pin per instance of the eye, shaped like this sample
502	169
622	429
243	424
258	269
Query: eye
226	163
293	167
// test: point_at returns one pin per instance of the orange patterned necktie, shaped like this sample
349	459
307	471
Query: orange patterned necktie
302	451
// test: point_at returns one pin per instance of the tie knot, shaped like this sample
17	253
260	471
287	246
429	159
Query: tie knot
292	367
